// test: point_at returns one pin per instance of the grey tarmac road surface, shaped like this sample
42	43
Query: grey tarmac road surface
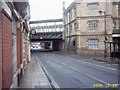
69	72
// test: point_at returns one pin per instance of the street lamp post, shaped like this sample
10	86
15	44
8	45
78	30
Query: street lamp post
105	32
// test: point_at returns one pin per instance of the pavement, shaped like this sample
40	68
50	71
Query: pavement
107	59
34	76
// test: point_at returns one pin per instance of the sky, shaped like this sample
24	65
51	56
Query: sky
47	9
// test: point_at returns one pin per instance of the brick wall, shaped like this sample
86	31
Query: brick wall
7	52
19	48
0	51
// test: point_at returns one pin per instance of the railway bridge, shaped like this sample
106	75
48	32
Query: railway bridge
47	33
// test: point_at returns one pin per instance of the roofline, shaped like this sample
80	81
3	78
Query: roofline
69	7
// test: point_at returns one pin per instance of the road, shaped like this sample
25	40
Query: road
71	72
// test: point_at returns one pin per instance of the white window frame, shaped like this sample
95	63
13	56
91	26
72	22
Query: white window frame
93	43
92	8
93	25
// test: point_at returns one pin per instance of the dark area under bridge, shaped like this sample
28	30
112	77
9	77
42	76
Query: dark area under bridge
55	37
57	44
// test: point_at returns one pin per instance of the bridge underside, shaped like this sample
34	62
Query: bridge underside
37	40
55	44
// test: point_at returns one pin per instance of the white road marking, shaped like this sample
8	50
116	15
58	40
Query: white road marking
51	78
100	66
53	81
88	75
96	64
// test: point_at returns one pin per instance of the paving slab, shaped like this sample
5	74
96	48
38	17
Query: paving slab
34	76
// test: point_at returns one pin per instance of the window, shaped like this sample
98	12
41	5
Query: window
93	7
66	18
76	26
67	31
70	27
75	13
93	25
93	44
70	15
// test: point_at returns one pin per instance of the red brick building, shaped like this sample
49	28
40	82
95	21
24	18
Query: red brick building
0	51
14	28
6	50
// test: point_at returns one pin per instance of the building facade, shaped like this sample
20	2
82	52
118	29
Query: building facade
88	25
14	28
